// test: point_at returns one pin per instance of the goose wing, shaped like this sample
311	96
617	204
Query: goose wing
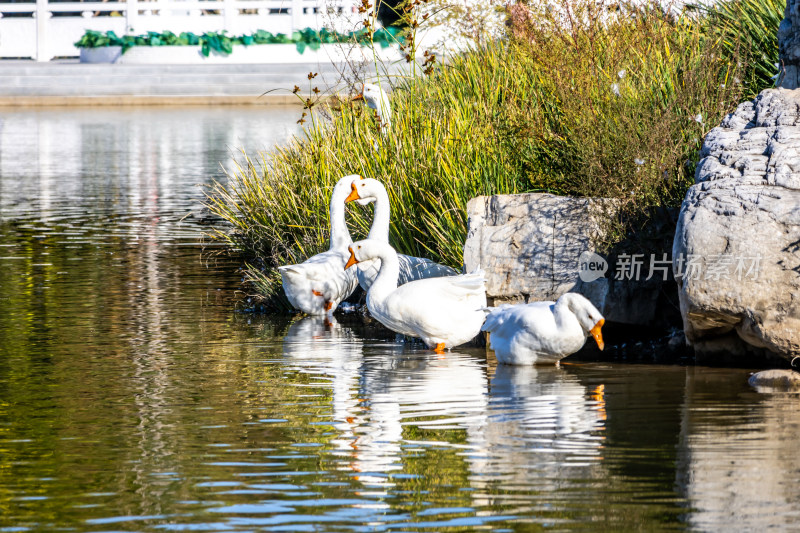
323	273
434	306
411	269
497	317
415	268
523	333
519	316
464	287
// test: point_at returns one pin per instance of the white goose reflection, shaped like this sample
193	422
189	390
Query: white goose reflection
374	397
541	421
418	389
528	419
325	348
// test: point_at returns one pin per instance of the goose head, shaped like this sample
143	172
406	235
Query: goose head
364	190
312	298
588	316
344	183
366	250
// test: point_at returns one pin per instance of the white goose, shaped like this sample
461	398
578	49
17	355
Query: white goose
411	268
317	285
378	99
543	332
443	312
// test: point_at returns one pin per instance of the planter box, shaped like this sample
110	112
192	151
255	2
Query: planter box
107	54
257	53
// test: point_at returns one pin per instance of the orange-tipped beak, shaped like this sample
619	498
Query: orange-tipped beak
316	293
597	334
359	96
352	261
353	194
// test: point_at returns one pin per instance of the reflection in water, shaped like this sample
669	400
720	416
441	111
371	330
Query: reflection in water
550	403
331	353
410	395
374	398
543	432
548	410
135	172
134	397
738	461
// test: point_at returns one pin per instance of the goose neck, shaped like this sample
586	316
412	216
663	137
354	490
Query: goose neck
340	235
563	314
379	230
386	280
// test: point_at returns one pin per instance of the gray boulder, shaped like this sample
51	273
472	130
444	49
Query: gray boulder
528	244
736	253
775	381
534	246
789	46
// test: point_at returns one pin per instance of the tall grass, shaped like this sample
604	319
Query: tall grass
621	105
748	29
569	106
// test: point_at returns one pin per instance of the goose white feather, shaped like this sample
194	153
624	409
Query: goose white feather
443	312
317	285
411	268
378	99
543	332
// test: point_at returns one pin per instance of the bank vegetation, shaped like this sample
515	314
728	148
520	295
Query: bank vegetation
583	99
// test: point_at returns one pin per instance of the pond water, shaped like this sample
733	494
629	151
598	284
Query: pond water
135	397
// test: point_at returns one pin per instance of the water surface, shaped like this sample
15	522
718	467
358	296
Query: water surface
135	397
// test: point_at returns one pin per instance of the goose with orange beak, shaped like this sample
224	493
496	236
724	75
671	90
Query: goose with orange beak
367	190
543	332
318	284
443	312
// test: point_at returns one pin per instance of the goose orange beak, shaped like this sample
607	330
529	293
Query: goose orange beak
359	96
352	261
597	334
353	193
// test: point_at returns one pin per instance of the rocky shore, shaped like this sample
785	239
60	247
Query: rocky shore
732	279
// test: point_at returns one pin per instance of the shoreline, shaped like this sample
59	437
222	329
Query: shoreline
148	100
68	83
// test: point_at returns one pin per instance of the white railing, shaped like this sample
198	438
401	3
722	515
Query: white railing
43	30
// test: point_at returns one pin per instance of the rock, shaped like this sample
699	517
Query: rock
789	46
528	243
775	381
531	247
736	253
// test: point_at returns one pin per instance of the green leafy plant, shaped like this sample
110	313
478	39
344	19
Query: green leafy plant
222	43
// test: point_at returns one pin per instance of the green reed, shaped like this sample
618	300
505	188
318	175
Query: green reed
548	109
748	28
